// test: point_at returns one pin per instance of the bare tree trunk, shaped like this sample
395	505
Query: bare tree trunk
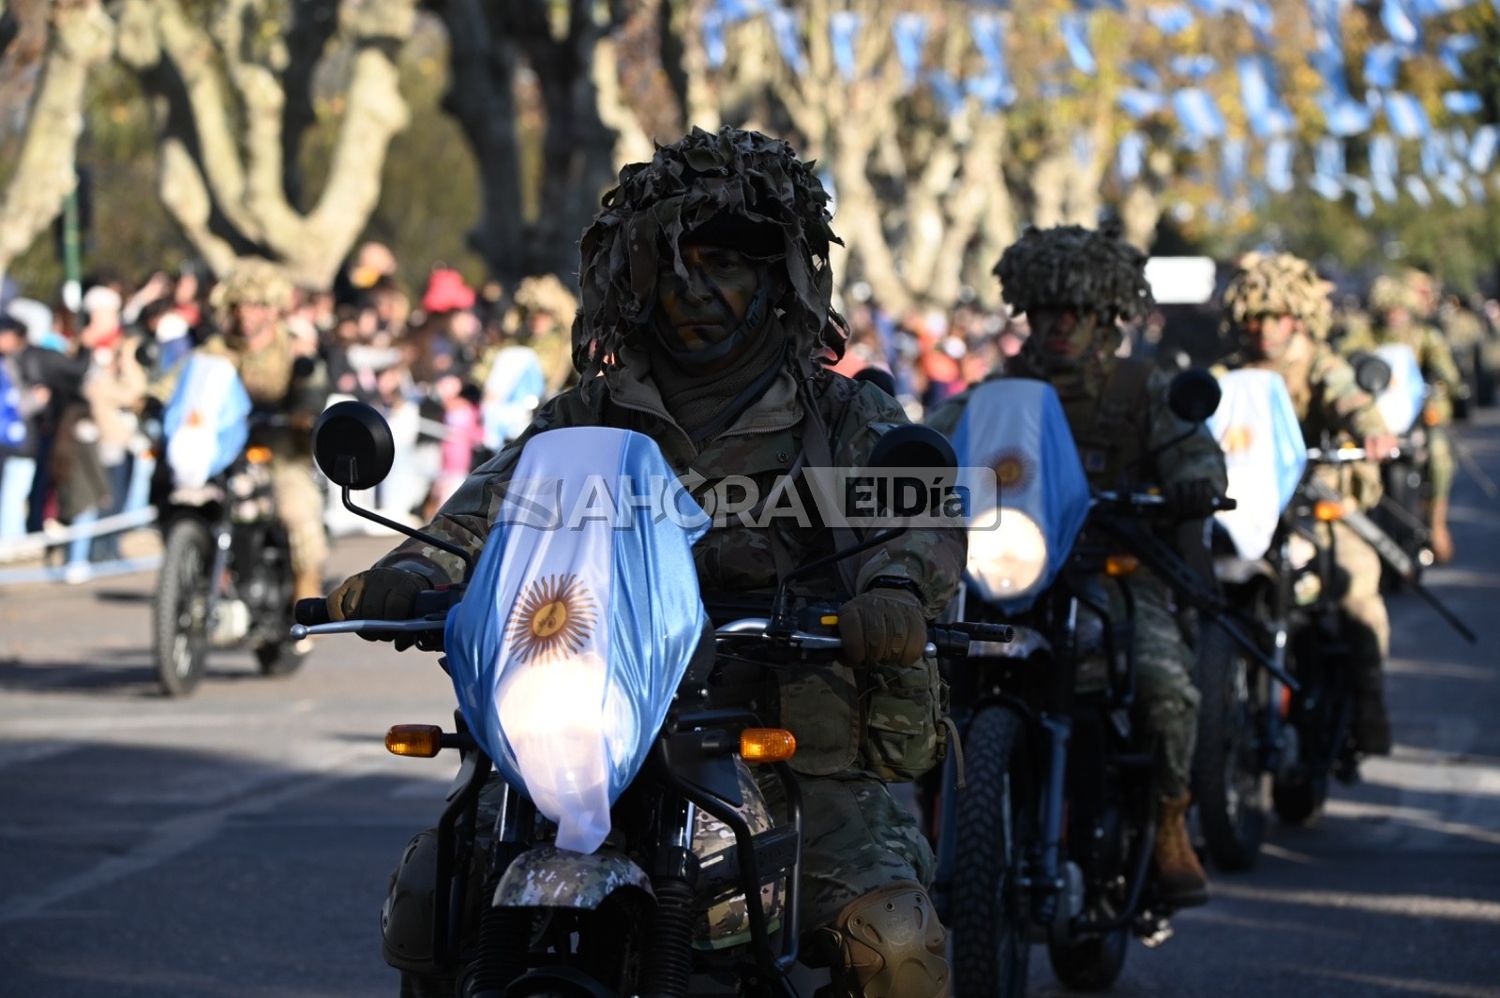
239	202
82	36
1142	206
1049	189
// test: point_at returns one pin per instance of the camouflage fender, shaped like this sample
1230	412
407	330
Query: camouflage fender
548	877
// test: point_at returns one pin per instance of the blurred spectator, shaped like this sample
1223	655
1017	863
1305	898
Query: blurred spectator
21	404
464	436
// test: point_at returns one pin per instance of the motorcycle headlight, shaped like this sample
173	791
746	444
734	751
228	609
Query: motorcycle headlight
1009	559
569	729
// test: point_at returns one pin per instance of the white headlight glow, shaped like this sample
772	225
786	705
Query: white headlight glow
1008	560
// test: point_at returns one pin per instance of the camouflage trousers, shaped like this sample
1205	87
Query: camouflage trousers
1440	462
299	505
1166	701
1367	628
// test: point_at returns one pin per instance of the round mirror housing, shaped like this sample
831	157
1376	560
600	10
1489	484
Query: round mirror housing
1194	395
913	446
352	443
1372	373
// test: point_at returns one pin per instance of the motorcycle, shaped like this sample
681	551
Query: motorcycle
634	850
1046	821
1392	375
226	573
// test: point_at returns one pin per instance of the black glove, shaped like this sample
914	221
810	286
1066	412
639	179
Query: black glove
882	626
379	594
1193	499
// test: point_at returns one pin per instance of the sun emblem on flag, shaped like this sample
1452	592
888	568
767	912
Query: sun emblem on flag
554	616
1012	471
1237	439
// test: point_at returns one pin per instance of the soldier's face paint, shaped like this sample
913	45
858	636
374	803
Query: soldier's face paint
1268	336
1063	334
710	305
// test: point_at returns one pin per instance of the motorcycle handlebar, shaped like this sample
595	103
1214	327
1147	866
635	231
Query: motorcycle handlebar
1153	502
311	612
946	641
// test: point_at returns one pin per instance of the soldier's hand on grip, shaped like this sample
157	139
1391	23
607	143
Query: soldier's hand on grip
1193	499
377	594
882	626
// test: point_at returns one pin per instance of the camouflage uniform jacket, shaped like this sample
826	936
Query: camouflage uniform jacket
1433	354
1118	424
274	385
734	559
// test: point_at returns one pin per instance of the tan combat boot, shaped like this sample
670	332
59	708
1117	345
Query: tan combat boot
1179	875
1442	541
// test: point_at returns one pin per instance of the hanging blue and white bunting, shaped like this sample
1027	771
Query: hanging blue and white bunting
1475	187
1262	21
1130	158
1279	165
1382	63
1434	154
1328	168
1452	50
1145	74
1418	191
1171	20
713	38
1482	149
1386	188
909	32
1196	68
1267	115
786	25
1139	103
1400	25
1363	191
1452	191
843	36
950	96
1198	114
1383	160
1405	114
1214	8
1463	102
1075	32
1234	156
994	88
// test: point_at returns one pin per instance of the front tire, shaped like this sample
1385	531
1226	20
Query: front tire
1299	800
180	614
992	819
1228	783
1091	964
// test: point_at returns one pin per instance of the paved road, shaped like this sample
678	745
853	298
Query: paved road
238	843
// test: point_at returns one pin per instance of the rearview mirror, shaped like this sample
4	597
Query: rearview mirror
1372	373
353	445
1194	395
913	446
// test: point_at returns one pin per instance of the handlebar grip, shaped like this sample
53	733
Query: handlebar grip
1002	633
311	612
1224	504
948	642
433	602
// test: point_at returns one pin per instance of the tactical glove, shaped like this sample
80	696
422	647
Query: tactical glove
378	594
882	626
1193	499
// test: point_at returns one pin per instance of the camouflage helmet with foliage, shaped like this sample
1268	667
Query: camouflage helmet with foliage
1278	284
252	281
1389	293
545	293
732	174
1076	268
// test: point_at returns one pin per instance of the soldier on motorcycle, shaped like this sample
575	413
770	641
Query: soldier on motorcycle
1075	286
1403	307
705	306
1280	313
249	305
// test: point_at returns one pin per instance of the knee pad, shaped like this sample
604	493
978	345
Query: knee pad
406	916
891	945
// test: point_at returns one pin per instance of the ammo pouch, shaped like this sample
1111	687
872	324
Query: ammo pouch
819	704
903	711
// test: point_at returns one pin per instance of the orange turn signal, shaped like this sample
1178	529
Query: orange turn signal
419	740
258	454
1117	565
1328	511
767	745
829	620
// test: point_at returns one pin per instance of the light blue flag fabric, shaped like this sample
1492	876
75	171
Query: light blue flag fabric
843	32
1198	114
1418	190
1401	402
206	422
1075	32
1451	190
786	26
1017	427
1264	453
1138	103
1452	50
1214	8
1145	74
1234	157
1262	21
1383	160
580	619
1267	114
13	428
1434	154
713	38
1475	187
1483	147
1386	188
1406	116
1382	63
950	96
1279	153
1171	20
993	88
1194	67
1462	102
1130	157
1400	25
909	32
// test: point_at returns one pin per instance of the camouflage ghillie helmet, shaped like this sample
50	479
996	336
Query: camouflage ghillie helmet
732	176
252	281
1390	293
1076	268
1278	284
1425	289
546	294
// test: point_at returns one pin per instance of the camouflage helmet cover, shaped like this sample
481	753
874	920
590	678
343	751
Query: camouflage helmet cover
1389	293
742	176
252	281
545	293
1073	267
1278	284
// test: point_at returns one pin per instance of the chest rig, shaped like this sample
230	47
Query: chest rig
1110	431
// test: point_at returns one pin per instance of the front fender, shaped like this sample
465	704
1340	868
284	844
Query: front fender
549	877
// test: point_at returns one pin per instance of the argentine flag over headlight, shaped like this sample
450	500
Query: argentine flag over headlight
1264	455
1017	427
579	621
